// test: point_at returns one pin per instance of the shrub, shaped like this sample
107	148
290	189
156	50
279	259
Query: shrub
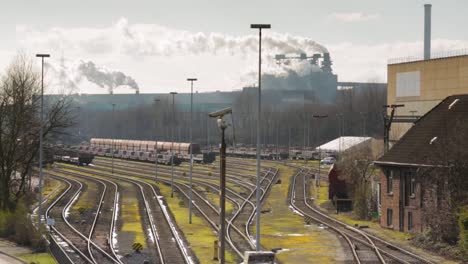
463	226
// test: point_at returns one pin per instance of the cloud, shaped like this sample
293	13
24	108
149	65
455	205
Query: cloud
359	62
353	17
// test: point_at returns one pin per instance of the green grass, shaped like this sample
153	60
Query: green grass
199	235
306	244
38	258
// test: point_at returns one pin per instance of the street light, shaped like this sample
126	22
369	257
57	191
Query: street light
191	80
113	136
317	179
172	144
222	180
259	110
156	100
42	56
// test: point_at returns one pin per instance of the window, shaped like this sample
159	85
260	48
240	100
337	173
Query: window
390	181
410	220
412	184
389	217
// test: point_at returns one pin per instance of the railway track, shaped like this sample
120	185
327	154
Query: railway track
240	231
365	248
240	221
169	246
80	248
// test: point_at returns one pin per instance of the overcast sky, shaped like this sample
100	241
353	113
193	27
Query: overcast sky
161	43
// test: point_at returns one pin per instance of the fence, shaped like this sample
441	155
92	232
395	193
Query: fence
436	55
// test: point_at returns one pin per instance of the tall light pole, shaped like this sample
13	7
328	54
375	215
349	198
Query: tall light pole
364	119
156	100
317	180
113	136
191	80
42	56
259	111
172	144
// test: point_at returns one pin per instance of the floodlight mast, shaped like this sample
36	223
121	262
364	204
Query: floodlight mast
259	110
172	143
191	80
42	56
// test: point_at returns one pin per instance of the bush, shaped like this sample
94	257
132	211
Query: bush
18	227
463	226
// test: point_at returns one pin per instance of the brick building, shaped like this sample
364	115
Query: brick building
422	150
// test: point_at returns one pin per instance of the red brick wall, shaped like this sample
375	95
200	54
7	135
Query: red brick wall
392	201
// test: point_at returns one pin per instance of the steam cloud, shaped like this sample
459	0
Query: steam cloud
156	40
105	78
73	73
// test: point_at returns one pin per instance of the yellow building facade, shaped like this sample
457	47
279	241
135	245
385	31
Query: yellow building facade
421	85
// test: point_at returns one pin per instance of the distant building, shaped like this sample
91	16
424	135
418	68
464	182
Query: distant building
422	150
422	84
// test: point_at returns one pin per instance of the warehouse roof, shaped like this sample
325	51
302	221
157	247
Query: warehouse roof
343	143
438	136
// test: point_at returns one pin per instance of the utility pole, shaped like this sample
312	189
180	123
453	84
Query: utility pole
319	117
259	115
222	181
172	143
42	56
113	136
191	80
156	100
364	120
388	123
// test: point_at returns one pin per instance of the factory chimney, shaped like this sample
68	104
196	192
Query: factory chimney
427	31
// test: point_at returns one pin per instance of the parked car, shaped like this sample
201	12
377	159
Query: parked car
328	161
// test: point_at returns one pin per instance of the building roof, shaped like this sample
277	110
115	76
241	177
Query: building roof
439	130
343	143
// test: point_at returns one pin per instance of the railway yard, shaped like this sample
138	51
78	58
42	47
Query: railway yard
121	211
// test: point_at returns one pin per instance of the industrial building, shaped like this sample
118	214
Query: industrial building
418	84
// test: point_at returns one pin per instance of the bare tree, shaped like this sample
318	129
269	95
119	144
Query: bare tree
357	169
19	126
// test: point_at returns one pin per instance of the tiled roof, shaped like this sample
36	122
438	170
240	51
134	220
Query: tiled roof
440	127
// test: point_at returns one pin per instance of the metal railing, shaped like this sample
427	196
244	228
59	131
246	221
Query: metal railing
435	55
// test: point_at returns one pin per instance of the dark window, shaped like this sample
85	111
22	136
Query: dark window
410	220
389	217
390	181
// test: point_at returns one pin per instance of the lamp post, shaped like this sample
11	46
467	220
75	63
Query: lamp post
191	80
317	179
113	136
340	132
259	110
156	100
42	56
172	144
364	119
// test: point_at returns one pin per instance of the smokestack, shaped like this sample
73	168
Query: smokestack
427	31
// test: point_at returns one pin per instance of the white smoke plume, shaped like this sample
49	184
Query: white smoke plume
71	74
156	40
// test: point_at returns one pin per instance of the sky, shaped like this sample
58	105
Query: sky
156	45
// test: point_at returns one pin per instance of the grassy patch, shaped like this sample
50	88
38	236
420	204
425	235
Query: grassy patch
199	234
38	258
306	244
130	215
